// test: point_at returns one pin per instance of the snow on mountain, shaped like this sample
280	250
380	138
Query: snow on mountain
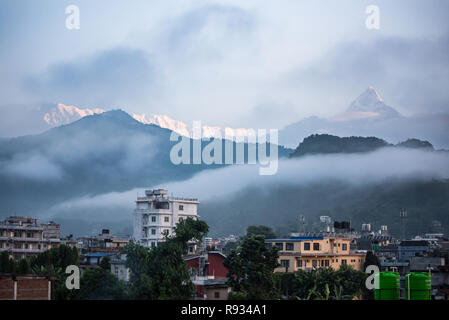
368	105
62	114
183	129
369	115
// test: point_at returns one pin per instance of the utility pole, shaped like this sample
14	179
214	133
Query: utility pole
302	222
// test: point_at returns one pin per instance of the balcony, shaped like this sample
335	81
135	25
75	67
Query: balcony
20	239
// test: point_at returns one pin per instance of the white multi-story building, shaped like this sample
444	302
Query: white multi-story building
157	214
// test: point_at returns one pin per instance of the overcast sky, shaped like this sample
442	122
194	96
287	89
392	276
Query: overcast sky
247	63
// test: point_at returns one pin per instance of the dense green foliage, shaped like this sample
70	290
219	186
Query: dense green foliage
160	272
250	269
325	143
50	263
321	284
7	265
100	284
264	231
370	259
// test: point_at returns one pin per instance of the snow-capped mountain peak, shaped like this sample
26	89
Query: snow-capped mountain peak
371	104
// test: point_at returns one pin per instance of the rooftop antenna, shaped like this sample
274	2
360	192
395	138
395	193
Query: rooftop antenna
403	216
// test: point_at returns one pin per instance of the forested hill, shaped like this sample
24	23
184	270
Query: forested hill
325	143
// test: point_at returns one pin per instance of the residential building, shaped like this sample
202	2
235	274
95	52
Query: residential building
157	214
22	237
209	275
119	269
105	242
411	248
51	230
307	253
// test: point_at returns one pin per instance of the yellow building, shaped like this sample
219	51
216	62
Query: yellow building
307	253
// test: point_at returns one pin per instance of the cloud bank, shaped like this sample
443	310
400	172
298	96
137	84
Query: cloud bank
354	169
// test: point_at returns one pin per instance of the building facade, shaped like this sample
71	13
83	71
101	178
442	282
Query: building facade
157	214
308	253
209	275
22	237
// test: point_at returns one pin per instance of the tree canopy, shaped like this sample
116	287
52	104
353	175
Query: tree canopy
250	269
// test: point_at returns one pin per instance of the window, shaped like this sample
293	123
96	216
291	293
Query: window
181	207
289	246
217	294
326	263
166	219
162	205
343	261
180	219
153	231
298	263
344	246
153	219
285	263
280	246
306	246
153	244
316	246
314	263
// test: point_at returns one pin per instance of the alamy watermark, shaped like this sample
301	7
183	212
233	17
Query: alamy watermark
253	145
372	21
73	280
72	21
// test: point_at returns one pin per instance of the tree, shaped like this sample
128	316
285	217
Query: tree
264	231
161	272
370	259
229	246
53	263
250	269
6	263
24	267
105	263
350	281
322	284
100	284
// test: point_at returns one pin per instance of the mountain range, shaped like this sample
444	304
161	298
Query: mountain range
103	152
367	115
95	156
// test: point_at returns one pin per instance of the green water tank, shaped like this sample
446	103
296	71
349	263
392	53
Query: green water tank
418	286
386	286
